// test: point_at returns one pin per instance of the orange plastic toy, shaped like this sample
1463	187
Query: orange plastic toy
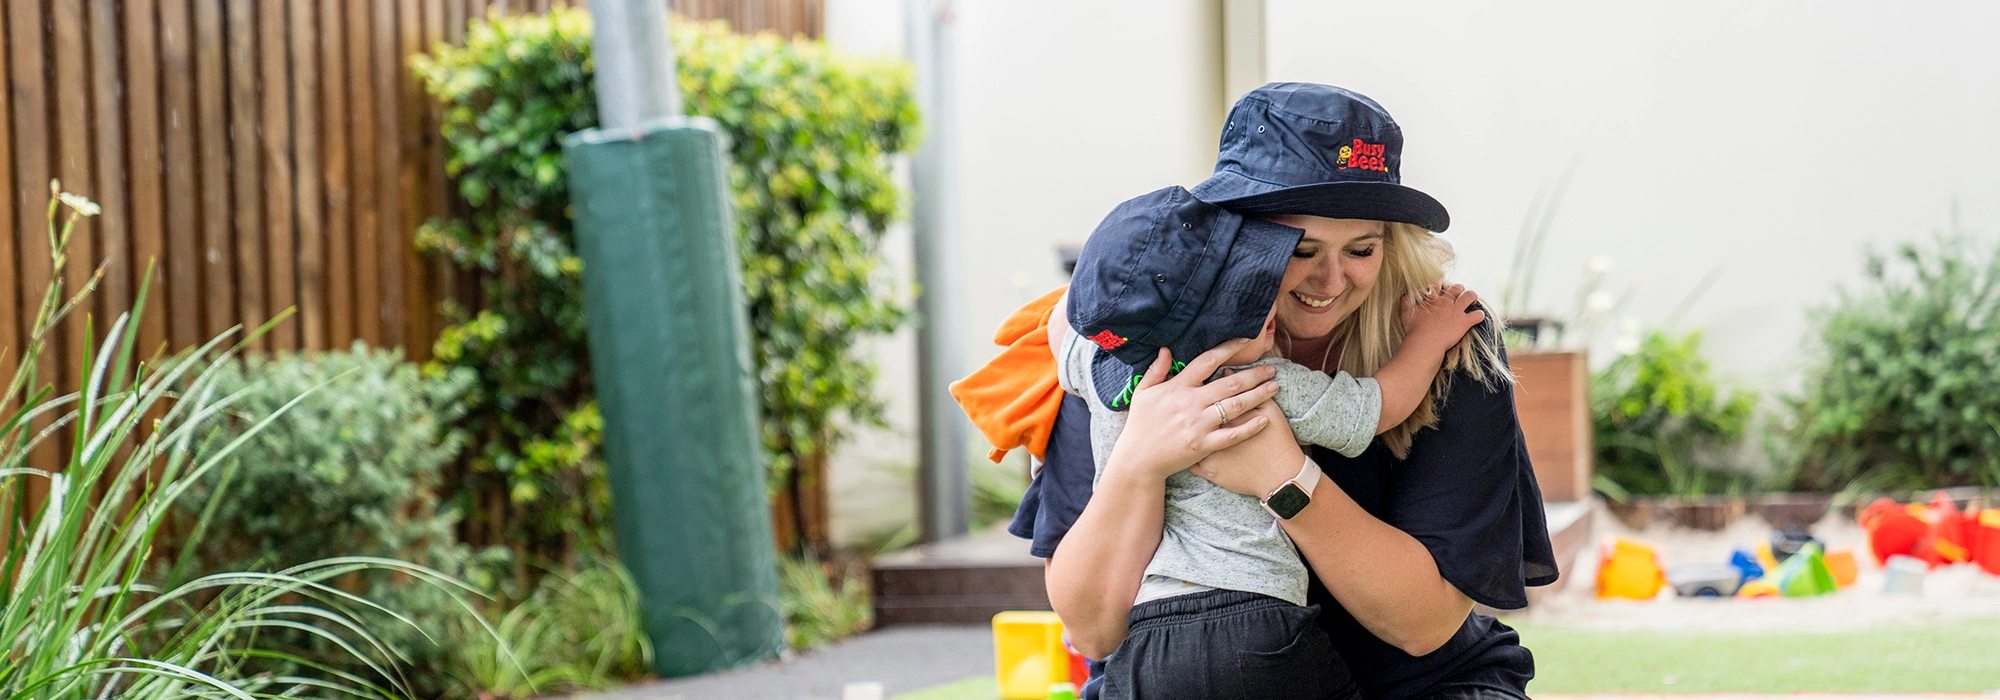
1840	563
1629	569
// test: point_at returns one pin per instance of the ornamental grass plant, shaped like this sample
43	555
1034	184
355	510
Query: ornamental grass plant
83	611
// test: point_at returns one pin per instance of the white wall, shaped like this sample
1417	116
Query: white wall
1069	108
1065	109
1774	139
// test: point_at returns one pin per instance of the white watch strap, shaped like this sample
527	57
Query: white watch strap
1308	476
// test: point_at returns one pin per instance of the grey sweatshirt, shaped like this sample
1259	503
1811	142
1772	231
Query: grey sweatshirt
1213	538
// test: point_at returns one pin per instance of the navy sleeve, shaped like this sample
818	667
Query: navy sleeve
1057	495
1467	492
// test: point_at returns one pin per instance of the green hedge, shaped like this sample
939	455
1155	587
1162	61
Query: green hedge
1902	391
810	135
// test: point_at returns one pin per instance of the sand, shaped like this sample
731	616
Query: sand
1958	592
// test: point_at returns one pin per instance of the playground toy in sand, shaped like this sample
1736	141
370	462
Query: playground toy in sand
1840	563
1705	581
1805	574
1905	574
1986	541
1629	569
1032	659
1937	534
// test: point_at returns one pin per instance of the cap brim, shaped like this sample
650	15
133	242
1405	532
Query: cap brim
1378	201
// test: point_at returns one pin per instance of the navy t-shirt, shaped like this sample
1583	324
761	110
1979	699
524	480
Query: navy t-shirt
1466	491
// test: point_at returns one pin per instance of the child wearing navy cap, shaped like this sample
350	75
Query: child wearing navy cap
1168	270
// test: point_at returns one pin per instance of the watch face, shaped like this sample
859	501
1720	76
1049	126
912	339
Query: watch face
1288	501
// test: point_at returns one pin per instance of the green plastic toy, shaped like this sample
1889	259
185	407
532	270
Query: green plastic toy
1804	574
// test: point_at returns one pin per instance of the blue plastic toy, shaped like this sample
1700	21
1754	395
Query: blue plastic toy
1746	562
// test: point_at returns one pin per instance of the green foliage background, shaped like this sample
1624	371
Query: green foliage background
353	469
1663	424
810	137
1903	391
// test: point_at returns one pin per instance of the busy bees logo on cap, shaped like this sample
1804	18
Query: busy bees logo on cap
1304	148
1366	156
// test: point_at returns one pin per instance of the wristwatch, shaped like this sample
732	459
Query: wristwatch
1294	495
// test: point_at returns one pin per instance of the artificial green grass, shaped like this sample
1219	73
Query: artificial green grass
981	688
1959	656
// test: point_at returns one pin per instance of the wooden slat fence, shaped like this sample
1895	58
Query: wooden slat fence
262	154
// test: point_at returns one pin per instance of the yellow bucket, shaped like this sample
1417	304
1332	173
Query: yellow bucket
1028	654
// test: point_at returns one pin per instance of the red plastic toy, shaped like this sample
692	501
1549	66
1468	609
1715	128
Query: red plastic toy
1950	540
1986	541
1892	530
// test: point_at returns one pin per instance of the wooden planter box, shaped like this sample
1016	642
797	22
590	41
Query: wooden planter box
1552	397
1793	509
1704	513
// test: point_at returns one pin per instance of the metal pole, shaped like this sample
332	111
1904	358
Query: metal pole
635	63
943	489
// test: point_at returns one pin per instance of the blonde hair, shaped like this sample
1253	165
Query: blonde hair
1413	260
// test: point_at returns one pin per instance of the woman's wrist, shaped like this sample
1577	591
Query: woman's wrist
1120	473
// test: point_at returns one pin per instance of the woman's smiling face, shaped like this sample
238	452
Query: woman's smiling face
1331	272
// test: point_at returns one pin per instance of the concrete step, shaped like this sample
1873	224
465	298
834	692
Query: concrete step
964	580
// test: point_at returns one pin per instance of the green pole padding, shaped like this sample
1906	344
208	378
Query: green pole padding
669	348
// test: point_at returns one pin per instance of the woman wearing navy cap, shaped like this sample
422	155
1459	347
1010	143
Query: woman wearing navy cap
1439	513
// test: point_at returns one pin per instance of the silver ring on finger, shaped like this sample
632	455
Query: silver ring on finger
1220	414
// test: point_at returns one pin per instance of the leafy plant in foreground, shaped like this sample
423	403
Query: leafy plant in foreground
77	618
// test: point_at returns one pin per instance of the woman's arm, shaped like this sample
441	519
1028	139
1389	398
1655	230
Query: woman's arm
1094	576
1095	573
1383	576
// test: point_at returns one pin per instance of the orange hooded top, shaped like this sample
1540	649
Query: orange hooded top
1014	398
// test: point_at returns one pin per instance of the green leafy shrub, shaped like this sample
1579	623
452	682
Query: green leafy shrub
351	469
823	602
578	630
535	476
810	137
1903	392
82	612
1663	425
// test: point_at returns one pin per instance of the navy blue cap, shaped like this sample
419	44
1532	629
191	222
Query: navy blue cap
1304	148
1166	269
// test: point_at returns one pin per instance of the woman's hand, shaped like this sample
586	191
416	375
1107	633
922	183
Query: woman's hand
1260	464
1175	422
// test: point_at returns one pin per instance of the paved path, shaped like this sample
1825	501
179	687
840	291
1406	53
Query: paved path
901	659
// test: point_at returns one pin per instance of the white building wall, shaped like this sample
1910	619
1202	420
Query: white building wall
1065	109
1772	139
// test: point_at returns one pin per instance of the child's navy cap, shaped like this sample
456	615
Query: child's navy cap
1166	269
1303	148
